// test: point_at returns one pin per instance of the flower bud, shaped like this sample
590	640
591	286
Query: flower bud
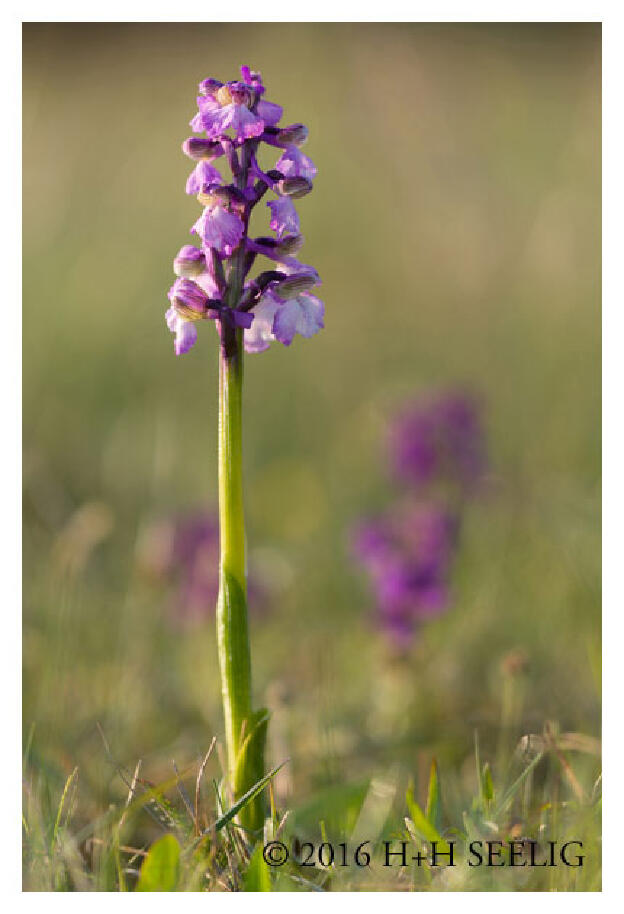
294	187
266	241
290	244
262	280
293	285
209	86
226	195
198	149
189	261
188	299
294	135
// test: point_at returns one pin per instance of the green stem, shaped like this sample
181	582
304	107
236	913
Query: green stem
232	626
245	731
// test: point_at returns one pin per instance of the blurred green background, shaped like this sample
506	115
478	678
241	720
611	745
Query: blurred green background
455	223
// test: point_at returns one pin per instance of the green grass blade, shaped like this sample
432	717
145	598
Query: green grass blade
161	868
419	825
487	784
59	813
510	794
433	809
247	798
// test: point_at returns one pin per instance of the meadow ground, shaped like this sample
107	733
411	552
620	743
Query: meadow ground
456	225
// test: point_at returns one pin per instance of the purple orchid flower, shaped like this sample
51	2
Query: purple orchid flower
407	554
281	319
202	177
219	229
284	218
228	109
294	164
440	438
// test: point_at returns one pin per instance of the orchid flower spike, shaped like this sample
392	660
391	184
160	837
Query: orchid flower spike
232	120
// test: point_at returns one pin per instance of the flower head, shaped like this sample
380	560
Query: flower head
232	120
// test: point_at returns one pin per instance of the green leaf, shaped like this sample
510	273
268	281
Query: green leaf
250	767
258	876
434	799
420	826
247	798
161	868
66	789
506	800
487	784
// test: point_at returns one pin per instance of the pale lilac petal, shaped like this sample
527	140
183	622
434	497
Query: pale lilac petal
197	124
219	229
207	282
260	334
285	322
302	314
239	118
284	217
269	112
186	337
185	331
295	164
209	107
202	176
312	312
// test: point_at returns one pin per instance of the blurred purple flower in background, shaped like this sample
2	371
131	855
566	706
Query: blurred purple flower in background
407	554
440	438
194	564
185	553
437	450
